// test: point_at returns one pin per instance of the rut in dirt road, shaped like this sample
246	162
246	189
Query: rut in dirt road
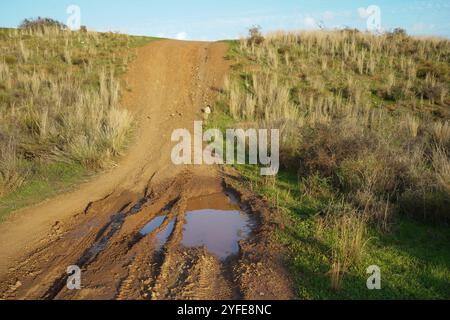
136	232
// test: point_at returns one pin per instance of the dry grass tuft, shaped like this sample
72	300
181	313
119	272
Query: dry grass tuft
441	132
11	175
441	163
348	237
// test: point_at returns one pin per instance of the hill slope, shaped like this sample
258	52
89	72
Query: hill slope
365	145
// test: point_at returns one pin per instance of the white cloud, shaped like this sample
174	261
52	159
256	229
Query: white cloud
310	22
181	36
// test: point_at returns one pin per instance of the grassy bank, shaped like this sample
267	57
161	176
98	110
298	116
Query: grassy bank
365	144
60	114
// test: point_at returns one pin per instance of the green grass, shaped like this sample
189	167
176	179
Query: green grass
413	257
49	180
140	41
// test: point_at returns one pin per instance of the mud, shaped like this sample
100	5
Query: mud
172	248
108	226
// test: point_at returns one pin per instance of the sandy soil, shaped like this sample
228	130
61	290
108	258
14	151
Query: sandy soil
97	226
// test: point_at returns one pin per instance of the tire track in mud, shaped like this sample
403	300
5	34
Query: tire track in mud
123	264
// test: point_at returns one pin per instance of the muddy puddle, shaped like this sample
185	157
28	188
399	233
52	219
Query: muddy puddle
217	223
153	225
163	235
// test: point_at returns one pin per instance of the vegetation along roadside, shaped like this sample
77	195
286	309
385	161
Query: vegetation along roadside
365	133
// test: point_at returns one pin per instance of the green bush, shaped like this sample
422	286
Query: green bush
39	23
255	35
394	94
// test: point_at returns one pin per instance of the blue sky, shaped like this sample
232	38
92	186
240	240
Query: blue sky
212	20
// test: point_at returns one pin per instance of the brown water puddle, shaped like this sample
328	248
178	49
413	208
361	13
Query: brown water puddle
214	221
217	223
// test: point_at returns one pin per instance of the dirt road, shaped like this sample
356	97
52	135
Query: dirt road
99	226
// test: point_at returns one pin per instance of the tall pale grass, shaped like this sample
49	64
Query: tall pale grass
411	124
24	52
55	108
348	241
11	174
341	100
441	133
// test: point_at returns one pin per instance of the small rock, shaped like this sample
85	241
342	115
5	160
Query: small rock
262	294
16	286
207	110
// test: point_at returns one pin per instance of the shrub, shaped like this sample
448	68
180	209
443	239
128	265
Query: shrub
398	32
434	92
394	94
255	35
438	70
40	24
325	147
